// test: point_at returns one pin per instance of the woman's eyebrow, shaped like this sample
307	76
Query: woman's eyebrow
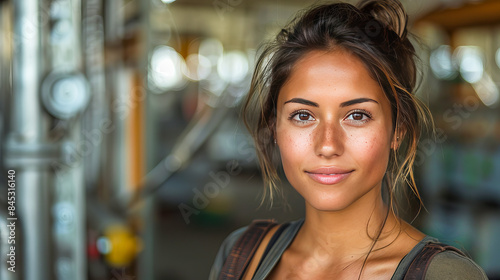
356	101
302	101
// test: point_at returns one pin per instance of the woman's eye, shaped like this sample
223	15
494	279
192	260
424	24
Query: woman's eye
302	117
359	117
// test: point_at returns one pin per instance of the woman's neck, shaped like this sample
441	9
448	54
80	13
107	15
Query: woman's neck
349	232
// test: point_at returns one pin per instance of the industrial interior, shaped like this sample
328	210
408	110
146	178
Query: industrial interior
122	142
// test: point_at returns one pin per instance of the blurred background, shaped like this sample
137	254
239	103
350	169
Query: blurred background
120	126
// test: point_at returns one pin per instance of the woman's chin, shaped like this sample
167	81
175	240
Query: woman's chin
329	205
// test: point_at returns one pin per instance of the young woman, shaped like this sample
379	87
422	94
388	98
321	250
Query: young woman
332	95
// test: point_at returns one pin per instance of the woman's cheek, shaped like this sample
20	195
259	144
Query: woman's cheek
293	145
293	140
371	145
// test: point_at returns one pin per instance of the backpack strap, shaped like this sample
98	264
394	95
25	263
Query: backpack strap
243	250
420	264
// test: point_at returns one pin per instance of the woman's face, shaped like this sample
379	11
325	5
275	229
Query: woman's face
334	131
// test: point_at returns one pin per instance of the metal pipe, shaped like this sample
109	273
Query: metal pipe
95	117
27	69
146	257
68	191
29	129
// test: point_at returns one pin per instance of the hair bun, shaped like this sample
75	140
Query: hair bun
390	13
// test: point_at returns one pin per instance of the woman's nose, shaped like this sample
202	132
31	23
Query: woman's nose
329	140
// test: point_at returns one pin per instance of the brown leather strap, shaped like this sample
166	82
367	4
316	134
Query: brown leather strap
420	264
236	263
255	261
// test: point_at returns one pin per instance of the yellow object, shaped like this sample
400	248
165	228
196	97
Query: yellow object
124	245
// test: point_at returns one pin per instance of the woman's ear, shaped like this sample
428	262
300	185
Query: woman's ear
272	128
397	138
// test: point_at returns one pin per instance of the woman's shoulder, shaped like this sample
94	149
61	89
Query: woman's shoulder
230	241
446	262
224	251
452	265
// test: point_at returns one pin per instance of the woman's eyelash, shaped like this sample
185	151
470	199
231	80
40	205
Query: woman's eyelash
360	111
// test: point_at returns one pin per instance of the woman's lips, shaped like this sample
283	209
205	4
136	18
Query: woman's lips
329	175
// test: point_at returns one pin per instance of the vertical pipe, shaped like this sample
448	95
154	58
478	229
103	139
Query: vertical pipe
136	132
27	70
146	257
96	117
5	94
29	128
76	242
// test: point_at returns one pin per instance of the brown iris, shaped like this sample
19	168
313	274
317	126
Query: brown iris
303	116
357	116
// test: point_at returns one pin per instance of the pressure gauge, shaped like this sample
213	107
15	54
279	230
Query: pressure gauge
65	94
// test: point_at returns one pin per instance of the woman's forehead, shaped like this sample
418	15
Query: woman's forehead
334	72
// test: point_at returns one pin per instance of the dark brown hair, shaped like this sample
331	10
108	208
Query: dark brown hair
375	31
